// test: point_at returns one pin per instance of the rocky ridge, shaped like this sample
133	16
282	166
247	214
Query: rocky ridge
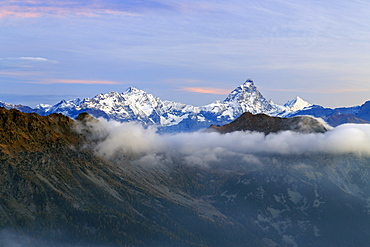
266	124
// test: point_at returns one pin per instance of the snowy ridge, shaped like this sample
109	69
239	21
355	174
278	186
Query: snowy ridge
137	105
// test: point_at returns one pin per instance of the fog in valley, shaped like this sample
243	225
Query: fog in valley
204	148
334	154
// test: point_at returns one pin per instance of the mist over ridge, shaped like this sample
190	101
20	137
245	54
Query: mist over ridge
104	182
204	147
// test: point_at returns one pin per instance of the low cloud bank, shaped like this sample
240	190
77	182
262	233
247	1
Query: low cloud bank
201	148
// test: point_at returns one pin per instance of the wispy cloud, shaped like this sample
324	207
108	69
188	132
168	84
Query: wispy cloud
30	59
207	90
39	59
18	73
68	81
34	9
319	90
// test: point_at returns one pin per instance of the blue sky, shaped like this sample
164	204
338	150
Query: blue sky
190	51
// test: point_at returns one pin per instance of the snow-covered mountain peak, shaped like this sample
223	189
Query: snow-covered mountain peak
296	104
247	86
133	90
247	98
44	107
248	83
243	92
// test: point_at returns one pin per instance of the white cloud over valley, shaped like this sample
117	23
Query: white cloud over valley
206	148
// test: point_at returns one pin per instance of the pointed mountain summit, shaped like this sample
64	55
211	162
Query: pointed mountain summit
247	98
243	92
134	90
296	104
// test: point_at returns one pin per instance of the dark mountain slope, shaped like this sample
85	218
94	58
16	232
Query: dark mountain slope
266	124
53	189
56	191
302	201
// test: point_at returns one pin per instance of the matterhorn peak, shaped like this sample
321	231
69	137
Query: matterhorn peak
243	92
248	85
249	82
247	98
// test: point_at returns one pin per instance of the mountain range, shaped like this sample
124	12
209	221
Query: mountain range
169	116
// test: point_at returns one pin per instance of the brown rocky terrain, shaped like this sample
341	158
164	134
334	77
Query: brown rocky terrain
56	191
266	124
54	188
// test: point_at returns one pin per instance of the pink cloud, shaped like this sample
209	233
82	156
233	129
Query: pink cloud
35	9
20	14
207	90
69	81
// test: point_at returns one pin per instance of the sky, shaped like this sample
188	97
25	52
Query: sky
190	51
